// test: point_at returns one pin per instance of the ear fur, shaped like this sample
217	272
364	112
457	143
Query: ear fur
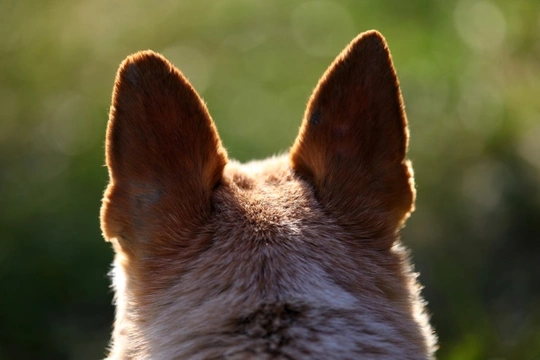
353	140
161	141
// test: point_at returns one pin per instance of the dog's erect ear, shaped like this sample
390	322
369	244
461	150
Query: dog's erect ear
163	151
353	140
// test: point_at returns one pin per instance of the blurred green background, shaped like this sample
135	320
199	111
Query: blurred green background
470	75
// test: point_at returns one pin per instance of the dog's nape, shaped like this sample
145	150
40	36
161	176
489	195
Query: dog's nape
293	257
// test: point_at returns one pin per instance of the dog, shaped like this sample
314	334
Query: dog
293	257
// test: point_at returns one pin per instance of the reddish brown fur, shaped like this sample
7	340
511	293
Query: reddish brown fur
138	151
293	257
354	140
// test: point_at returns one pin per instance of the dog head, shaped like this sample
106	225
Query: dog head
295	256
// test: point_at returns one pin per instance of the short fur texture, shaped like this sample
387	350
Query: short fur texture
293	257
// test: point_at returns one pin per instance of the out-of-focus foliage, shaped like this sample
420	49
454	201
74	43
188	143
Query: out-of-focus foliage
470	75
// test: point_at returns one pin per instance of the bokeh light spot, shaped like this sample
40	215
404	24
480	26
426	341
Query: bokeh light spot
317	24
481	25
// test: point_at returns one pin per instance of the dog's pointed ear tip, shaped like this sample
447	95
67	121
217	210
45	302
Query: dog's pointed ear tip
140	63
370	38
374	34
143	58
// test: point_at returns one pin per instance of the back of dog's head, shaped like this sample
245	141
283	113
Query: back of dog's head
291	257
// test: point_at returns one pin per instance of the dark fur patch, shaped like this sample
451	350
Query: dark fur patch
315	117
132	73
271	323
